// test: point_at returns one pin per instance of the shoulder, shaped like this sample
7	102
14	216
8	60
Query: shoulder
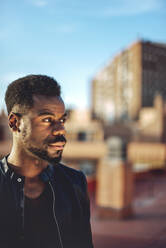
70	171
75	176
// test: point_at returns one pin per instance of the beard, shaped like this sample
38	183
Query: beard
43	154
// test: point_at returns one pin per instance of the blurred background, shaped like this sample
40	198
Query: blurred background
110	59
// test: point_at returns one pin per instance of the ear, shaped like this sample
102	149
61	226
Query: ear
14	121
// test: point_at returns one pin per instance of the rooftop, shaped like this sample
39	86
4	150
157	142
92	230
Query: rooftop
146	228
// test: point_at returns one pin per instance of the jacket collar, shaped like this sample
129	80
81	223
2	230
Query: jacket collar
46	175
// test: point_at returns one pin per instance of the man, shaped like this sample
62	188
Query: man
43	204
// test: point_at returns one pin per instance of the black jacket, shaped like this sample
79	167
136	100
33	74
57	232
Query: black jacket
70	206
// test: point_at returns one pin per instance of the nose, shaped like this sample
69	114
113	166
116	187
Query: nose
58	129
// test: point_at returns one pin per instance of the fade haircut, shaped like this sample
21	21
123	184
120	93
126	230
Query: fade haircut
20	92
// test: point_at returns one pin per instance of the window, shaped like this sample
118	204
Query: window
82	136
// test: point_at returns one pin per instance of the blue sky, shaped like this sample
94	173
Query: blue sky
72	40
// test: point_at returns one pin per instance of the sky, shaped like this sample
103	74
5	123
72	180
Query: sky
72	40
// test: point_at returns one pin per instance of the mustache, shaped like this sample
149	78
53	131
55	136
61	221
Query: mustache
57	138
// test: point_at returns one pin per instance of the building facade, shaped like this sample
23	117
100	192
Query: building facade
130	81
85	147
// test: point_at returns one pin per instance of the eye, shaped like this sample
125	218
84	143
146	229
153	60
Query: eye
48	119
63	120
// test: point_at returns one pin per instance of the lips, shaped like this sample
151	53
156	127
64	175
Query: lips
57	146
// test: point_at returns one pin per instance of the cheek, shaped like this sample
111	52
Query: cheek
26	131
26	134
34	133
38	134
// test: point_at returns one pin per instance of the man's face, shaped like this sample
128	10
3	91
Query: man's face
42	128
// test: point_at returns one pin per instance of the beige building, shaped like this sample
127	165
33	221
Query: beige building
146	156
130	81
85	146
151	122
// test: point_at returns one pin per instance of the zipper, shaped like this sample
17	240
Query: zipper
54	215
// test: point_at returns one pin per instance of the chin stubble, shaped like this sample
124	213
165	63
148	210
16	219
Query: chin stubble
44	155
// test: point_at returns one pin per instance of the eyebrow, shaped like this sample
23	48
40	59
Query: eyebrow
47	112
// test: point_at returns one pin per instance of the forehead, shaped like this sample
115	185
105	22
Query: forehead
51	103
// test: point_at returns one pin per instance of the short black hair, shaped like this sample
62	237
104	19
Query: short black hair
20	92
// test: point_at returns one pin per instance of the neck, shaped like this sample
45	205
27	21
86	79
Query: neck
25	164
